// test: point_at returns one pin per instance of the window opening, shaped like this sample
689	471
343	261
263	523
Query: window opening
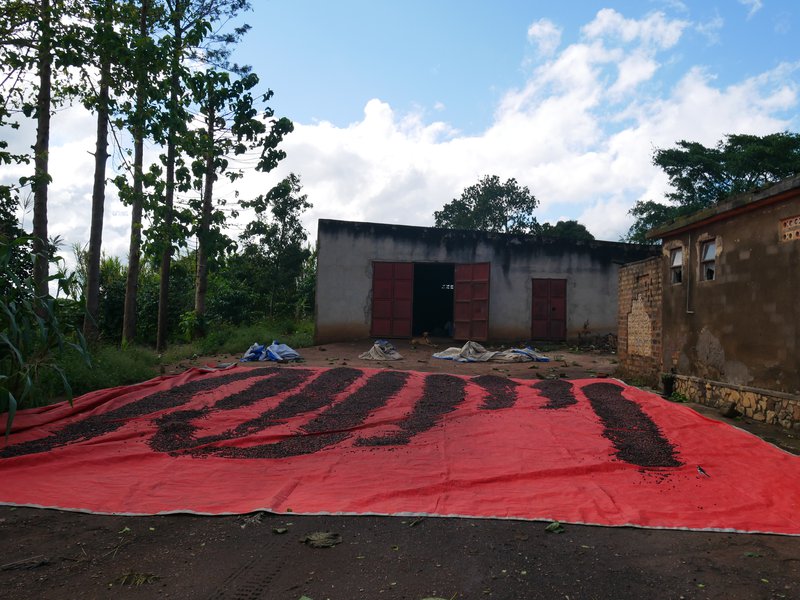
708	260
676	265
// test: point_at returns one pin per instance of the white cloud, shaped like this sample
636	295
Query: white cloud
711	29
654	30
546	35
753	5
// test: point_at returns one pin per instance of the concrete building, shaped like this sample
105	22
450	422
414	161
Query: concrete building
721	307
396	281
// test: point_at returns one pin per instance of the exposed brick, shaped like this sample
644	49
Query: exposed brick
639	320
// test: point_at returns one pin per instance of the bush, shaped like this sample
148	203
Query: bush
236	340
112	366
32	338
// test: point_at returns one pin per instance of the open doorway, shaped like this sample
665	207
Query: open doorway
433	299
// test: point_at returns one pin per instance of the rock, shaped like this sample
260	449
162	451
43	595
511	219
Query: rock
728	410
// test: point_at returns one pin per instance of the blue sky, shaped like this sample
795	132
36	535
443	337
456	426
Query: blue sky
325	60
398	106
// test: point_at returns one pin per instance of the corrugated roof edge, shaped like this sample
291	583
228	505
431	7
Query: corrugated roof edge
739	203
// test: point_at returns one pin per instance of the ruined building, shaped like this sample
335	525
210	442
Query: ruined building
720	307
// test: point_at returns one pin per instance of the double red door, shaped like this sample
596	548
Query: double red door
393	299
549	309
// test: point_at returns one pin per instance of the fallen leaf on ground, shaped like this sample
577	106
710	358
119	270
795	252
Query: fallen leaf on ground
554	527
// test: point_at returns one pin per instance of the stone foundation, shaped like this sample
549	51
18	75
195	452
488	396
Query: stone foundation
775	408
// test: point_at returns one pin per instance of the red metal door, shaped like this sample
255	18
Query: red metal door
549	309
392	294
471	310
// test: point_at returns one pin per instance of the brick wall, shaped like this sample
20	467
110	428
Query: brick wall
639	321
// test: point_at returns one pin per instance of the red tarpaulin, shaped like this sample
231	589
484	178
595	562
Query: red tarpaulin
366	441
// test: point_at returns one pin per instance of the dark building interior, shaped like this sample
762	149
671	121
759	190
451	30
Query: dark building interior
433	299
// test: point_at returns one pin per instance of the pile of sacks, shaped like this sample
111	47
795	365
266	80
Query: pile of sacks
275	352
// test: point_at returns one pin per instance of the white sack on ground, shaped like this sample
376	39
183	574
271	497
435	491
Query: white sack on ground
474	352
381	350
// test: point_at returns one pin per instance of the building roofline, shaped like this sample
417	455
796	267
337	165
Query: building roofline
475	235
784	189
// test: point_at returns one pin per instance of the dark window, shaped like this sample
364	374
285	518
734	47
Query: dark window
676	265
708	260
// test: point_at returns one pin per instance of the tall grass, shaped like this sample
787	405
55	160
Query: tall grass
236	340
113	366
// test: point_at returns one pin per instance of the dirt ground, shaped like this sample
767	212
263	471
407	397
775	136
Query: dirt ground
54	554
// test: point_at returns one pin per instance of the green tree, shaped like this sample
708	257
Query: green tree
274	246
40	41
137	114
188	38
232	127
567	230
701	176
490	205
107	44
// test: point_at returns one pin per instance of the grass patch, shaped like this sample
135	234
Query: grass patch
236	340
113	366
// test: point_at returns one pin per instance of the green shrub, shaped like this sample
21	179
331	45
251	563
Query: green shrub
32	339
236	340
112	366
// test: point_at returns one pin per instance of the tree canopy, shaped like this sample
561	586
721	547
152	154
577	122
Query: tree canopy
490	205
571	230
702	176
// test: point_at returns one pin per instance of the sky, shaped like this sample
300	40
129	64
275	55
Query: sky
398	106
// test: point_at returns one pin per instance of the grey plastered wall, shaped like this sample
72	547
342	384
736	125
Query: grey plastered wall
347	250
742	328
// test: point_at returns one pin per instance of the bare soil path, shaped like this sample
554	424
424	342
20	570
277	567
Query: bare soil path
53	554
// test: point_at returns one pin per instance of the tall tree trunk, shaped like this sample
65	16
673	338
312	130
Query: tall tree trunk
169	200
41	149
90	329
201	277
135	248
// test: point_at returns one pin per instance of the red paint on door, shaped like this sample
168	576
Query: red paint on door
471	310
392	294
549	309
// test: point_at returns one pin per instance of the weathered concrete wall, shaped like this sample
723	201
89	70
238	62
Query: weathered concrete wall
347	250
741	328
639	336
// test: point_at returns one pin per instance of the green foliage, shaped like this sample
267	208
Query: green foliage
490	205
701	177
111	366
235	340
274	260
191	325
566	230
678	397
31	335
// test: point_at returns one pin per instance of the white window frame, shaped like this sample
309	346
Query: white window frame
676	270
705	261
